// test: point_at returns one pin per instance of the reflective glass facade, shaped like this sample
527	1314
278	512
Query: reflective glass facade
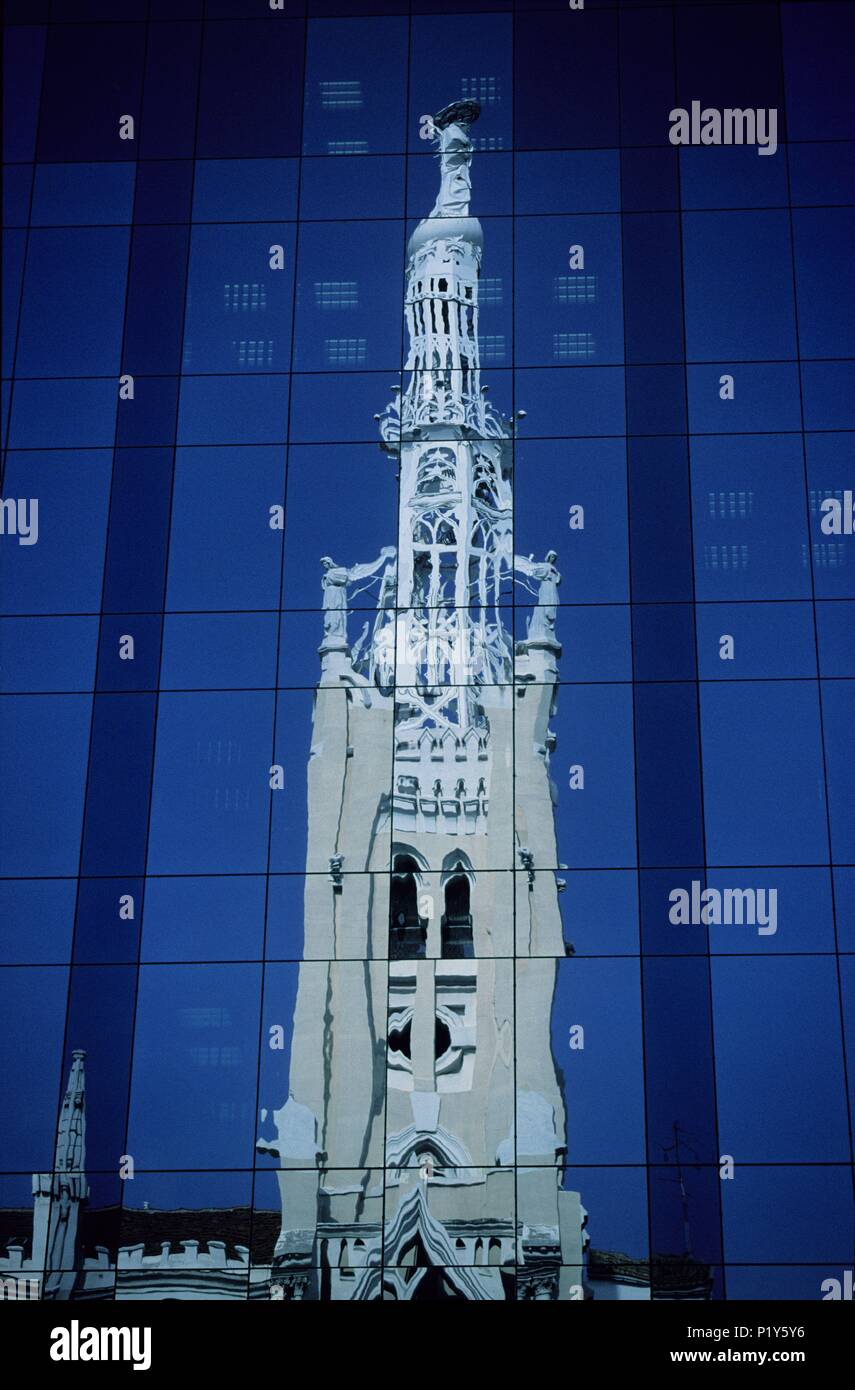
208	210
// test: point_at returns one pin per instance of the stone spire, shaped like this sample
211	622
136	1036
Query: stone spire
58	1196
440	651
71	1131
443	266
410	933
455	492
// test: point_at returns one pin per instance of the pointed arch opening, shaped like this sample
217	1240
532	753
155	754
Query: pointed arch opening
407	930
456	924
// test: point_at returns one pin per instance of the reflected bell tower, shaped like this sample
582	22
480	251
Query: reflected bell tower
422	1144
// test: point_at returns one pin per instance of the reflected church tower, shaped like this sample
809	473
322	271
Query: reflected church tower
421	1146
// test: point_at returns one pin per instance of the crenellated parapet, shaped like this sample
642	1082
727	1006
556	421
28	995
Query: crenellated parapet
191	1256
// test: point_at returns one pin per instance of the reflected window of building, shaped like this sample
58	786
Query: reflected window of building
407	930
457	920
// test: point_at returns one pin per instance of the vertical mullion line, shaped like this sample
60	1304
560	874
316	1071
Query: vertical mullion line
626	369
271	793
690	501
163	608
402	357
513	690
822	746
95	678
25	258
18	321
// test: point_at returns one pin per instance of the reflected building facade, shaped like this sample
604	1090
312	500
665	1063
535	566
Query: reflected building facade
441	1207
303	911
422	1142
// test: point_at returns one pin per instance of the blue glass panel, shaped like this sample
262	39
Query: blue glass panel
65	194
759	738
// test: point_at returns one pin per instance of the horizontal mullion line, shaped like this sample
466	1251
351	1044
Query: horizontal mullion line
504	606
352	443
412	153
391	960
484	217
633	868
497	370
471	685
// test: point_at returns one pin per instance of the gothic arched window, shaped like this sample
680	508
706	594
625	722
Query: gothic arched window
407	930
457	920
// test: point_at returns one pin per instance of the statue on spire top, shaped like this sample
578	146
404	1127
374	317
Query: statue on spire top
451	126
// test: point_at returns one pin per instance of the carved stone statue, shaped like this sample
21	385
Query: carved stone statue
541	624
455	147
335	581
